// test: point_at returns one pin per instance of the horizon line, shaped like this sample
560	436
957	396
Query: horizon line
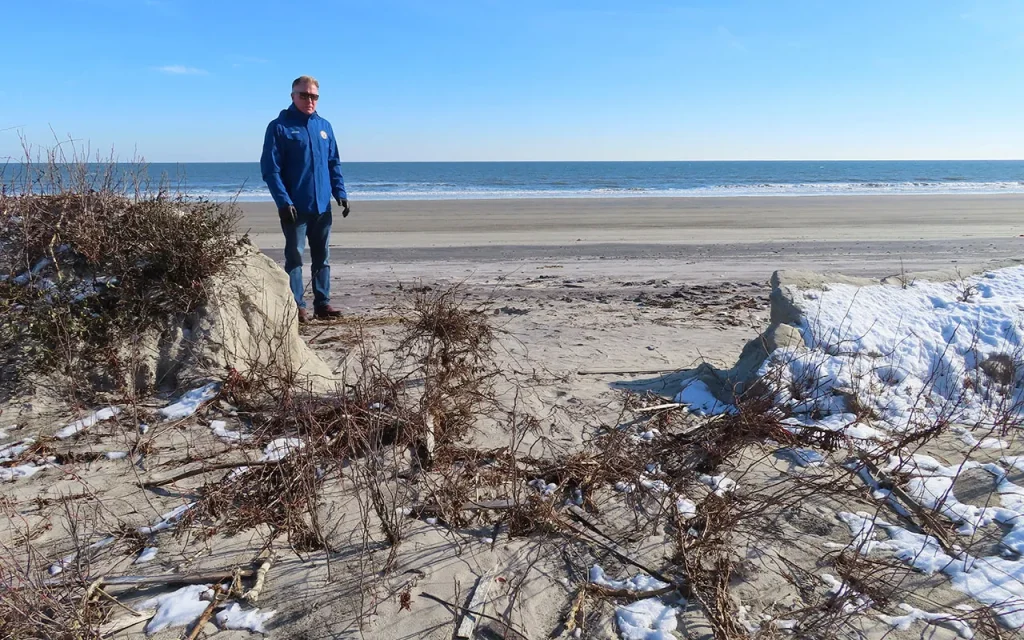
10	160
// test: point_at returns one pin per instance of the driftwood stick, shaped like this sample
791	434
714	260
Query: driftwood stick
203	619
927	523
502	504
662	407
117	602
192	578
207	469
476	603
252	596
576	612
618	372
90	590
610	545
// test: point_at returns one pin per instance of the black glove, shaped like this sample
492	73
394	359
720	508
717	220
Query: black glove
288	214
344	207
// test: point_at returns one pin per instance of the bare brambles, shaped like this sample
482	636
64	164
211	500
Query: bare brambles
57	612
84	271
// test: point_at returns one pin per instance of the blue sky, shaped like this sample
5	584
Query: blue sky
190	80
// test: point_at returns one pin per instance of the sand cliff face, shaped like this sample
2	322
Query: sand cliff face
249	322
794	315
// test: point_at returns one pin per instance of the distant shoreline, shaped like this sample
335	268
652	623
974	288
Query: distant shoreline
641	196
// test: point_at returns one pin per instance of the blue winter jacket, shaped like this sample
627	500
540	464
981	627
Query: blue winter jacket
300	162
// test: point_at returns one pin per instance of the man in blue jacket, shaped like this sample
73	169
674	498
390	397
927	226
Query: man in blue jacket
301	167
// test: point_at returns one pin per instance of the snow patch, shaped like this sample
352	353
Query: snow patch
994	581
58	567
986	443
649	619
686	508
10	474
639	582
147	555
910	355
904	622
86	422
699	400
853	601
167	520
545	489
190	402
12	451
219	428
721	485
234	617
646	436
176	609
280	448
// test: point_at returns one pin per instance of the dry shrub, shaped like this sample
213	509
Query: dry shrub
33	607
451	346
755	421
418	397
83	270
48	613
280	496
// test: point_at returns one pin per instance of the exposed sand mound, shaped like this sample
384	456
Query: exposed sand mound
834	314
248	322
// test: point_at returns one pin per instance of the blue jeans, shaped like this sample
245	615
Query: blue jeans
317	228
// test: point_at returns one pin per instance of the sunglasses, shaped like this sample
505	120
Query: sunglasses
312	97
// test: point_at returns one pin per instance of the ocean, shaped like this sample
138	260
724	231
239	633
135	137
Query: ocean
488	180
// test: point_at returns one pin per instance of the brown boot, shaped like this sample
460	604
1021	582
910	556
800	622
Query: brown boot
327	312
303	316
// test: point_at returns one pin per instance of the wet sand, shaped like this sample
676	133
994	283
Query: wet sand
672	221
679	239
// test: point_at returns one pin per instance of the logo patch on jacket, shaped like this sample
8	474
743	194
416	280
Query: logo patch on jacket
323	134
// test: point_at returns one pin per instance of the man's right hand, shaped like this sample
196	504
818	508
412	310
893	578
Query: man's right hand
288	214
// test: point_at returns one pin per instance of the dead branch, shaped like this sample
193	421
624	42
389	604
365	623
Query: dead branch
217	599
114	627
152	484
456	607
626	594
927	523
609	545
661	407
172	579
619	372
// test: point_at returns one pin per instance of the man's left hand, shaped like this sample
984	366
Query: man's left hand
344	207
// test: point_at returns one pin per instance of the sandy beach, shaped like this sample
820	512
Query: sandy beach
672	221
596	307
692	240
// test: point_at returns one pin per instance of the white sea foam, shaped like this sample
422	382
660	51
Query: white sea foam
412	191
